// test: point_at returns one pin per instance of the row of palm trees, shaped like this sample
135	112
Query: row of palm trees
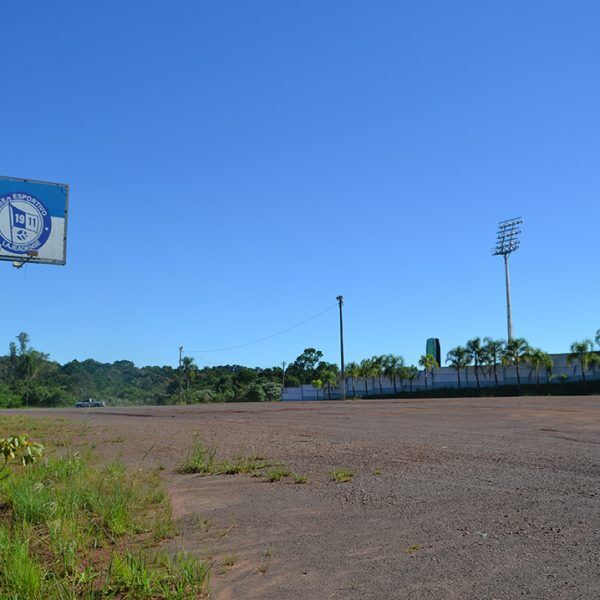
484	356
390	366
490	354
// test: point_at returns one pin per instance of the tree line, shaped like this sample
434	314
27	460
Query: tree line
29	378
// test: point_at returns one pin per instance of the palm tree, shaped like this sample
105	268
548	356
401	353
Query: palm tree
459	358
411	372
377	371
594	362
514	354
581	351
318	385
353	371
403	372
391	365
494	349
548	363
189	370
478	357
428	362
365	373
330	378
538	359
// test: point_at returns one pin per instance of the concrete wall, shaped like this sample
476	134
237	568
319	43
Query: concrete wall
446	377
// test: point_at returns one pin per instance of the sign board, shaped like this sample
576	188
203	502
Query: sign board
33	221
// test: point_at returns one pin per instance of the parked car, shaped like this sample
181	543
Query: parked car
89	403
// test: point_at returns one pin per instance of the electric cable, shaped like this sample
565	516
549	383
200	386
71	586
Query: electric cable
264	339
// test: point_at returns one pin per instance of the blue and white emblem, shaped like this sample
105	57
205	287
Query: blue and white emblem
25	223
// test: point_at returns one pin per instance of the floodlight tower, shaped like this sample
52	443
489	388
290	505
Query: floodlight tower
508	242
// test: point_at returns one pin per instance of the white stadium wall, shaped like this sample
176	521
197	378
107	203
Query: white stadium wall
446	377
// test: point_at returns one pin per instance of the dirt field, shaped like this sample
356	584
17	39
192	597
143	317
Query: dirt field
462	498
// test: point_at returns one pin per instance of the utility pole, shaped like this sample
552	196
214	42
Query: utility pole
180	373
282	376
340	300
508	242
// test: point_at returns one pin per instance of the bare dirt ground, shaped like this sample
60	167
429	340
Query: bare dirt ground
461	498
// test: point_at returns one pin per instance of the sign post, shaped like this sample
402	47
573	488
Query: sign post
33	221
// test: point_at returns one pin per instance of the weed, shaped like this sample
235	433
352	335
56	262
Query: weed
203	461
377	472
277	474
225	532
201	523
262	569
299	478
164	528
341	475
413	548
61	519
173	578
230	559
20	575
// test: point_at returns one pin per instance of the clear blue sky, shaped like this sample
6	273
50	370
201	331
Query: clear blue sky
236	165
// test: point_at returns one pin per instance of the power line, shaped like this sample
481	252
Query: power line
268	337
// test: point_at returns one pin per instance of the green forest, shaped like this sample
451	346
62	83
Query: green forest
29	378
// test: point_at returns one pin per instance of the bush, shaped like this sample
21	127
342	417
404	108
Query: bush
272	391
8	398
254	393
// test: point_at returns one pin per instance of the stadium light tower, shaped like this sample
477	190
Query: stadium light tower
508	242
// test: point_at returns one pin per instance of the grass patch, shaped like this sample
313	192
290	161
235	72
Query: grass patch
230	559
72	528
277	474
341	475
52	433
203	461
160	576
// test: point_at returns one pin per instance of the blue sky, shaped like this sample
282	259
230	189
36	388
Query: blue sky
236	165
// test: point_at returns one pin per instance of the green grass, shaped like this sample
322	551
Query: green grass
203	461
277	474
51	432
341	475
72	528
160	576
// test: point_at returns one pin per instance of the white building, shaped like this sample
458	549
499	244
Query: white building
447	377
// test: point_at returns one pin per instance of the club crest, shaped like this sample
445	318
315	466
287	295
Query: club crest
25	224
